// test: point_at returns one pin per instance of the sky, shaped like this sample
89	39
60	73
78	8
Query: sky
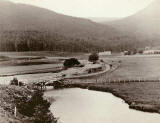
91	8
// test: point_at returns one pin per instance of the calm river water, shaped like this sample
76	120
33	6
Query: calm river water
85	106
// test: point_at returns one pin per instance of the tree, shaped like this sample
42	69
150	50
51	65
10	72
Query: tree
93	57
70	62
140	51
14	81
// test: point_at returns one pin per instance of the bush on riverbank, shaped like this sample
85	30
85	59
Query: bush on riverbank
36	108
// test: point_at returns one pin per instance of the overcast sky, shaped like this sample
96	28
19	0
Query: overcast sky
91	8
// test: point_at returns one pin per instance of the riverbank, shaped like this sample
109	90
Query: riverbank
31	106
144	96
89	106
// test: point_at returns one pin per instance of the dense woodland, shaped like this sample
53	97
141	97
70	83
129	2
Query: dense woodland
46	41
42	41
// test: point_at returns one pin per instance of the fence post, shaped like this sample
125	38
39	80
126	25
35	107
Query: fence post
15	111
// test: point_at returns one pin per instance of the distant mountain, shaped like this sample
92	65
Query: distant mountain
144	25
30	28
26	27
26	17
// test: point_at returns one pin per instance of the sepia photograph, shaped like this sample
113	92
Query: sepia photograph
79	61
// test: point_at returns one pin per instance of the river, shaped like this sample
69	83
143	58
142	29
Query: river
85	106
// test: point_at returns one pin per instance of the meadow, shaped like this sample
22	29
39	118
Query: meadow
140	67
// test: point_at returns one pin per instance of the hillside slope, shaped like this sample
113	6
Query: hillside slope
144	25
30	28
25	17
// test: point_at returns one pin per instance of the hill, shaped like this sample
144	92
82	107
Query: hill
26	28
30	28
144	25
25	17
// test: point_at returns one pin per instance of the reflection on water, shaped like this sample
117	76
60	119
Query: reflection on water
85	106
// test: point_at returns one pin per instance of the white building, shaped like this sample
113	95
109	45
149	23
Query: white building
105	53
151	52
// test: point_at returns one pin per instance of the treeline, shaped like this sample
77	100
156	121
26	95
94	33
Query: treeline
43	41
47	41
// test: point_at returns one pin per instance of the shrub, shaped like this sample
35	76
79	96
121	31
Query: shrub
93	57
134	51
70	62
14	81
140	51
37	108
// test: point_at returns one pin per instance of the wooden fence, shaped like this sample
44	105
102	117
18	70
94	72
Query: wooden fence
101	81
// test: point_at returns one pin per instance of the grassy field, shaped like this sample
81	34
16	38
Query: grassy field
136	67
12	63
26	65
131	68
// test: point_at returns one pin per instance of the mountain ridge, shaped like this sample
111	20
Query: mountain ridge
42	19
27	26
145	24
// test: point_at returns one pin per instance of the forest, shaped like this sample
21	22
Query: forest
50	41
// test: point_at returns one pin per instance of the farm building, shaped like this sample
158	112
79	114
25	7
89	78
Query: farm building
105	53
151	52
